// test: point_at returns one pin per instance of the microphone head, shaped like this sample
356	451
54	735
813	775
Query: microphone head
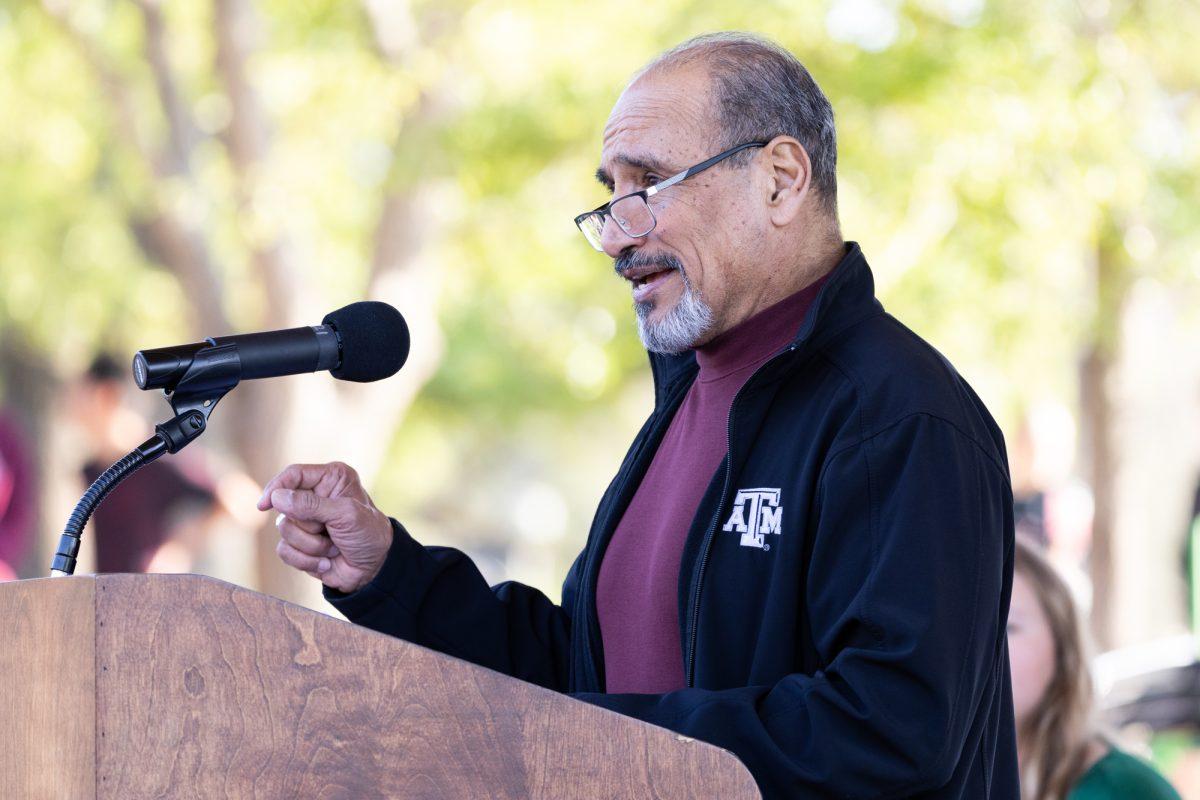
374	340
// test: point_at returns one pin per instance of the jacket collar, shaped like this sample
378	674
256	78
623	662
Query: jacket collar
847	297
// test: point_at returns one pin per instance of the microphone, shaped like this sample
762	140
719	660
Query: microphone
362	342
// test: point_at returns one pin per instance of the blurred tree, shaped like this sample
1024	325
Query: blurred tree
193	162
1011	170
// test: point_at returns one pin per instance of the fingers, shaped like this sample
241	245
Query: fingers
293	476
301	561
304	525
303	505
305	541
334	479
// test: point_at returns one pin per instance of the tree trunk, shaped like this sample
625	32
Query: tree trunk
1096	413
1097	410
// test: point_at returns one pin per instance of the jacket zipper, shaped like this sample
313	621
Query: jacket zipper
706	545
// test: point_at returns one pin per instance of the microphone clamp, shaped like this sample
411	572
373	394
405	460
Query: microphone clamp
197	392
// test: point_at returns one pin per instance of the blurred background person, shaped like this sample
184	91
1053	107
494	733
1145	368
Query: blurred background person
18	496
1053	505
159	518
1061	748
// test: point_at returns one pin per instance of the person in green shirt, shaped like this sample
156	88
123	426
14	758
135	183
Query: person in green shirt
1060	748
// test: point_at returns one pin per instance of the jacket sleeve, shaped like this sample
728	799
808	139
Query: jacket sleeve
437	598
906	592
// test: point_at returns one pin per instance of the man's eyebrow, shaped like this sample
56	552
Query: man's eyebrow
646	163
604	178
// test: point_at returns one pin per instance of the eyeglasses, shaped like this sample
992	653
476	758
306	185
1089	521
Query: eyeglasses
632	211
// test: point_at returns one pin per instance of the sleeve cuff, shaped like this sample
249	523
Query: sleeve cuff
383	587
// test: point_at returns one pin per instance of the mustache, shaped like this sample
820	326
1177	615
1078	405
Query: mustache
634	259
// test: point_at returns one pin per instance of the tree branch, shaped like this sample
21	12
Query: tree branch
248	140
111	83
165	235
182	133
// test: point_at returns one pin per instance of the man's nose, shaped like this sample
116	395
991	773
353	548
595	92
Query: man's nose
614	239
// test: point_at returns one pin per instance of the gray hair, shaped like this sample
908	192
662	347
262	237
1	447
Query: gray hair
687	324
762	91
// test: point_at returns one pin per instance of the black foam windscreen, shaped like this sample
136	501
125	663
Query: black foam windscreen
374	338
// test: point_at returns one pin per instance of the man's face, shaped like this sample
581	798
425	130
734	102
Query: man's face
688	274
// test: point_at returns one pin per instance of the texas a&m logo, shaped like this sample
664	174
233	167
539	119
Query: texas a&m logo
756	512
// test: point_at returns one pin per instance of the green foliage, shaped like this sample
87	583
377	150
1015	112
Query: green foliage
984	147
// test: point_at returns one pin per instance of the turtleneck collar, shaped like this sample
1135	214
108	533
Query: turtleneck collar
754	340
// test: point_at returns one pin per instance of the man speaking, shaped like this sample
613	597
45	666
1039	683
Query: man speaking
806	556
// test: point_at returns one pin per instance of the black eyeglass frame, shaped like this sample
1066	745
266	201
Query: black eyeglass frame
650	191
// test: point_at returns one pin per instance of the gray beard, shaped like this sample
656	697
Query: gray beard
683	326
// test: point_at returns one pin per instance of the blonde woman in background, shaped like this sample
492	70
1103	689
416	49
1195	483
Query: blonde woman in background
1060	749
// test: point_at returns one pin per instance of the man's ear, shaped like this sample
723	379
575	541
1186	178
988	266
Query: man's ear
789	179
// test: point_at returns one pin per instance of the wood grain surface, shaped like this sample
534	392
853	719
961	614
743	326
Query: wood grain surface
206	690
47	689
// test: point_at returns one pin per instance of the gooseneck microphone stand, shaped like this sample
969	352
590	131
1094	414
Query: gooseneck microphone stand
193	399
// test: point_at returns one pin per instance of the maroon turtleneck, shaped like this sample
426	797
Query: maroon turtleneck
639	577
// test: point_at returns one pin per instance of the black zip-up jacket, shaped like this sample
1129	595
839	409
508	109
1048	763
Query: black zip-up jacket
843	590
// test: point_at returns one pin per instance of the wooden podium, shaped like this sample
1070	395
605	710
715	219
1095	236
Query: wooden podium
179	686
